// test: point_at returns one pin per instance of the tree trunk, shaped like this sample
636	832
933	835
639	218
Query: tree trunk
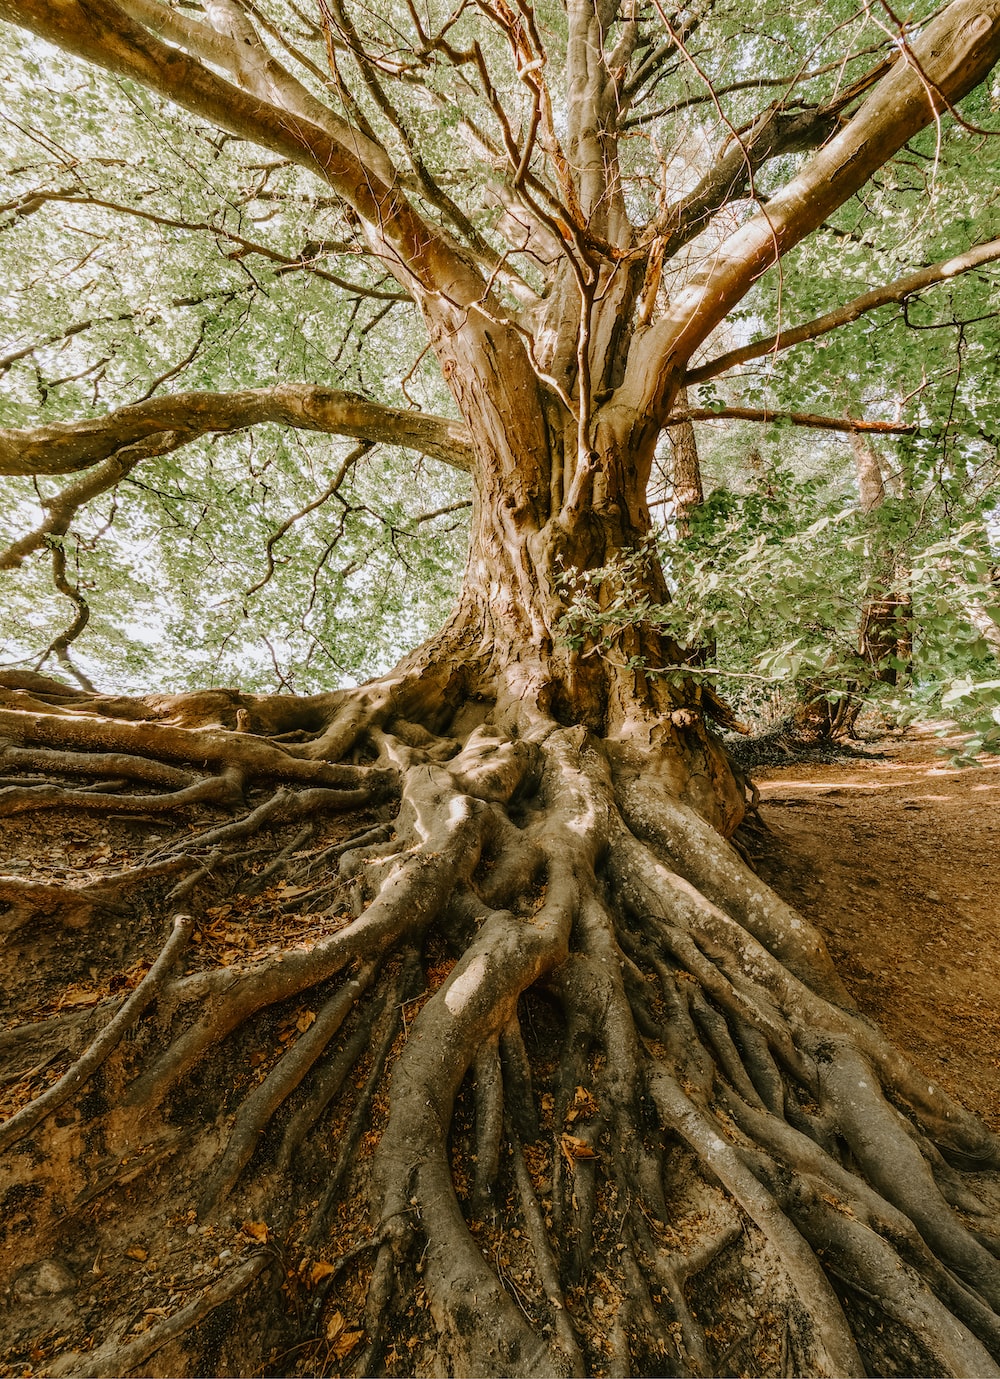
688	495
884	624
458	1038
884	629
685	470
444	1031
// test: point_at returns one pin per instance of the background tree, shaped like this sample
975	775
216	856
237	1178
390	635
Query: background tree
922	350
525	1036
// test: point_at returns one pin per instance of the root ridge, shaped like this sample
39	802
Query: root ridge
518	1068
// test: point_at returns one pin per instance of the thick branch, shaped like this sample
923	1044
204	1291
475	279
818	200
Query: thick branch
243	55
896	291
65	447
101	32
951	58
731	177
64	506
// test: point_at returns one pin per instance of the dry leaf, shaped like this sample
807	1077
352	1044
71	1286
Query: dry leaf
74	996
256	1230
307	1018
346	1343
137	1252
575	1148
335	1327
320	1270
584	1106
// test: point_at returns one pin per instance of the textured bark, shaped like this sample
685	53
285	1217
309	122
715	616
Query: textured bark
685	470
555	1086
65	447
488	1054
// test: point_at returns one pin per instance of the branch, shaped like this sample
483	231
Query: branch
63	507
789	82
731	177
101	32
775	133
241	53
429	188
7	361
843	315
304	262
810	419
950	58
65	447
346	466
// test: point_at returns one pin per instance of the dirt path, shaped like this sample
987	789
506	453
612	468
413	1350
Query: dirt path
897	860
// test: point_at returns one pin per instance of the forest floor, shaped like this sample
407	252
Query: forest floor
896	858
894	855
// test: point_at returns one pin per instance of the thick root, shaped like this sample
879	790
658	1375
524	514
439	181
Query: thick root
519	1071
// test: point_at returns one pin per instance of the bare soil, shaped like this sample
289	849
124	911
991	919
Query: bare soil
897	861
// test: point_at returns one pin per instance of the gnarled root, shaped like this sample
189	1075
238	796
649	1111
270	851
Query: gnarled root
518	1070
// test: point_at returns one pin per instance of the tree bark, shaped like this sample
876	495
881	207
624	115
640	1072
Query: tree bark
488	1054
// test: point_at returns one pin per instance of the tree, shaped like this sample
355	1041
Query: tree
598	1100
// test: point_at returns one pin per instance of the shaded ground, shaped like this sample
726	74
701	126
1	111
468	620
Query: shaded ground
897	860
100	1235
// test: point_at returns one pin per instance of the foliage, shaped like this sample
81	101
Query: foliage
191	258
779	564
160	249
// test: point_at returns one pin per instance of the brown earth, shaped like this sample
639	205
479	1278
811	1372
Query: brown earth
897	861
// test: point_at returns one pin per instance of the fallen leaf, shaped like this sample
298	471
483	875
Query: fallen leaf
341	1340
137	1252
348	1340
74	996
583	1108
320	1270
256	1230
575	1148
307	1018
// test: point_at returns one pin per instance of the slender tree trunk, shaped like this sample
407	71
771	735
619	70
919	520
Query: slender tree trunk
688	495
883	630
685	470
883	627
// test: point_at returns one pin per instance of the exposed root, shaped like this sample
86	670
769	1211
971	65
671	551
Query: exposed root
99	764
126	1357
547	1266
566	1089
84	1068
219	790
258	1108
